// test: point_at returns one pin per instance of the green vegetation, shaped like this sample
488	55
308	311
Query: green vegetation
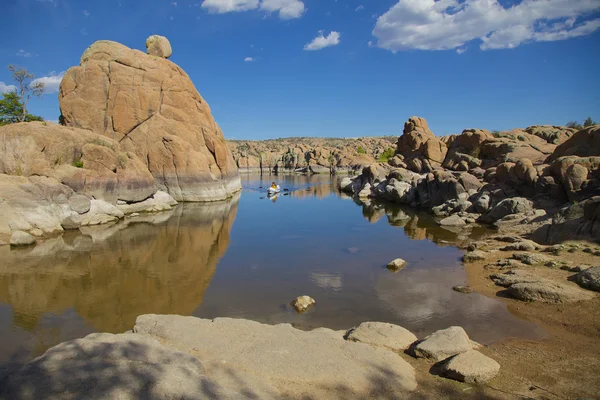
386	155
11	110
78	164
13	106
361	150
588	122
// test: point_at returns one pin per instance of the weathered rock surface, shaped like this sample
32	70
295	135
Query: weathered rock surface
589	278
151	108
382	334
527	286
443	344
471	367
296	363
124	366
302	303
158	46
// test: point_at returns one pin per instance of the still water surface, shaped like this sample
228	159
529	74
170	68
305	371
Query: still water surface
246	258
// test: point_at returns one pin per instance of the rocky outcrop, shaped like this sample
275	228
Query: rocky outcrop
589	278
309	155
420	150
158	46
506	179
527	286
150	107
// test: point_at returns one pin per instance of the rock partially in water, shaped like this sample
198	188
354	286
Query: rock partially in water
396	265
302	303
382	334
463	289
79	203
443	344
453	220
475	255
471	367
589	278
20	238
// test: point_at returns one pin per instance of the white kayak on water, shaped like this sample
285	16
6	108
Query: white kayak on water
274	190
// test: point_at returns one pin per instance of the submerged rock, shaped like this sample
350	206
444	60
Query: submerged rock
463	289
396	265
302	303
382	334
471	367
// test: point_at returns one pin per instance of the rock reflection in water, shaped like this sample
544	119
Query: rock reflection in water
108	275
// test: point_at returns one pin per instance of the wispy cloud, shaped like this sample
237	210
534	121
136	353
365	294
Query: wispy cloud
53	2
287	9
249	59
51	82
4	88
174	3
450	24
359	8
23	53
83	31
320	42
86	13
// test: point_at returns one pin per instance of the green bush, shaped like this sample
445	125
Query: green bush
361	150
386	155
78	164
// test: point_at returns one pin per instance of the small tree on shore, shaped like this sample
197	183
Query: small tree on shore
11	110
589	122
27	87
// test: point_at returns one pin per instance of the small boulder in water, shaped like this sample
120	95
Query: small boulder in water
396	265
302	303
20	238
463	289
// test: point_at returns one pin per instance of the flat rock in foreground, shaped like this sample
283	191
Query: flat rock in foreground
317	364
125	366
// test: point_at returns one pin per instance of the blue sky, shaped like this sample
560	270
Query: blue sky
458	63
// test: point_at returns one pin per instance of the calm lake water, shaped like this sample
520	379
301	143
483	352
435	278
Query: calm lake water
246	258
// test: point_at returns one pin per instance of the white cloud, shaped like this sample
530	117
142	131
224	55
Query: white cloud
248	59
23	53
461	50
449	24
4	88
225	6
320	42
287	9
86	13
359	8
174	3
51	82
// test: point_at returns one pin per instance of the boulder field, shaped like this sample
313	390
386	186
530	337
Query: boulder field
545	179
134	135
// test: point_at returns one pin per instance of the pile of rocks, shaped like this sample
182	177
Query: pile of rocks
544	177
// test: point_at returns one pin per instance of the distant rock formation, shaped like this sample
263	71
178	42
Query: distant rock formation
309	154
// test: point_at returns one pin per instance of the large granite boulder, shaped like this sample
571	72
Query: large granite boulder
152	109
421	149
465	149
158	46
585	143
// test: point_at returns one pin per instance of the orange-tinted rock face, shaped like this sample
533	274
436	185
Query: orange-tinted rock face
151	108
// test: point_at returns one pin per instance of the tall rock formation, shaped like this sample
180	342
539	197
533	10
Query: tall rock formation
151	108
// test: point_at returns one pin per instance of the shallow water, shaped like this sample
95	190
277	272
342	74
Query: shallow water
247	258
